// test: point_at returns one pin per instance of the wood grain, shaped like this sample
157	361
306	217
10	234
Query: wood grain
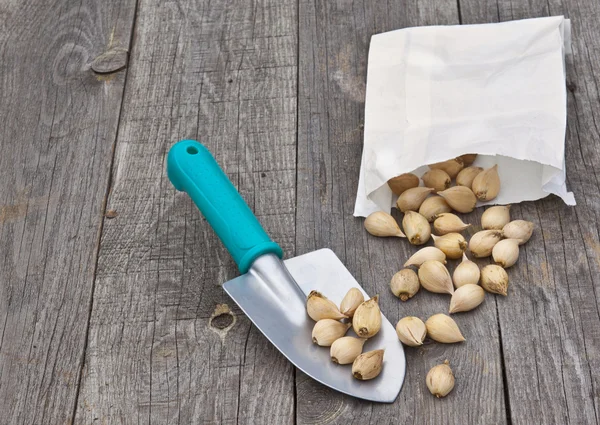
334	42
166	343
550	322
276	91
59	123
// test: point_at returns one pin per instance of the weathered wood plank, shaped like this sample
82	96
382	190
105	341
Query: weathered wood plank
224	73
334	41
550	322
59	122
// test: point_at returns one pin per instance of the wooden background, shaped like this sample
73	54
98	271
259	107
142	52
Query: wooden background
111	309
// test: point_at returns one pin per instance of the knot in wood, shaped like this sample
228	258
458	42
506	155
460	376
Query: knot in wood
320	404
222	319
112	60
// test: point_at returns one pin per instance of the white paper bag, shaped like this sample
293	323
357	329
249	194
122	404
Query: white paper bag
434	93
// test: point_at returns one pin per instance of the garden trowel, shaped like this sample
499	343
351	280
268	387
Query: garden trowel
273	292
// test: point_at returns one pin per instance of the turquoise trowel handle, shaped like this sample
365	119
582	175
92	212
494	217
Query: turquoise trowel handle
192	169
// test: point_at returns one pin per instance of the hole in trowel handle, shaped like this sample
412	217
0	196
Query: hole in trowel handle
192	150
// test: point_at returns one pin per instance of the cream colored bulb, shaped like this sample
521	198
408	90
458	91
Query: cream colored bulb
448	223
452	244
443	328
486	185
424	254
433	206
436	179
346	349
368	365
367	318
411	331
326	331
506	252
482	243
452	166
440	380
403	182
353	298
495	218
466	298
383	225
319	307
494	279
405	284
411	199
467	175
518	229
434	277
460	198
416	227
466	273
468	158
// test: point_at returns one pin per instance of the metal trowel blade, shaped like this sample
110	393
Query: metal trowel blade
273	295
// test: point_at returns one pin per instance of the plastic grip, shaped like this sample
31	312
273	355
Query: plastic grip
192	169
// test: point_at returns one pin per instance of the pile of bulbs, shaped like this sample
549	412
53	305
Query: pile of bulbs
432	205
329	331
